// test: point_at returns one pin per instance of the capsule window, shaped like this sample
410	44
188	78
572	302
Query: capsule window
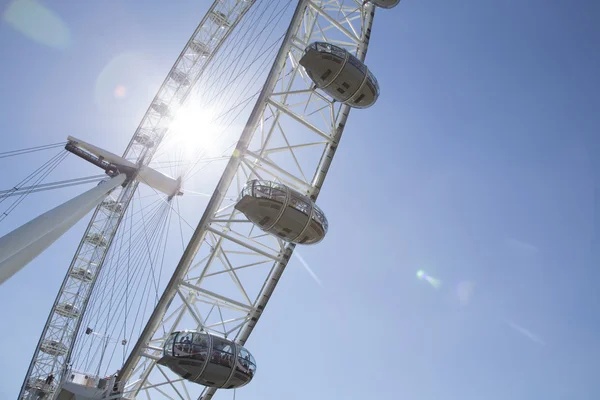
246	363
326	74
339	52
169	345
264	221
182	346
315	227
357	63
222	352
199	348
300	205
326	47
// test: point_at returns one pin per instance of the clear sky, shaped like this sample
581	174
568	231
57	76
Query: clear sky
478	165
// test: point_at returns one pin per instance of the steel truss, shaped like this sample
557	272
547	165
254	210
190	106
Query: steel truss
221	19
230	269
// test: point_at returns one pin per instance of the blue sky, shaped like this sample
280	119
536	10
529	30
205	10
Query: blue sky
479	165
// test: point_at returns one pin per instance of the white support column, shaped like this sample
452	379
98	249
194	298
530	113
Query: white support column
22	245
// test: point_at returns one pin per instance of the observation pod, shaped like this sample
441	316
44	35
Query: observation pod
385	3
96	239
180	78
219	19
67	310
82	274
341	75
53	347
112	205
199	48
282	211
162	109
208	360
144	139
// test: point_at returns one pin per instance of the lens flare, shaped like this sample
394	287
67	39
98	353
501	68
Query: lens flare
422	275
38	23
120	91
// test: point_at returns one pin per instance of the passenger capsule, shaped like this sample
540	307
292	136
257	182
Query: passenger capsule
82	274
144	140
180	78
341	75
162	109
208	360
53	347
199	48
112	205
67	310
96	239
385	3
282	211
219	19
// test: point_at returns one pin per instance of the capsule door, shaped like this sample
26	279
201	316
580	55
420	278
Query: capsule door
245	368
220	363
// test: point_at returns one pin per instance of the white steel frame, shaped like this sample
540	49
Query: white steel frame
106	219
289	120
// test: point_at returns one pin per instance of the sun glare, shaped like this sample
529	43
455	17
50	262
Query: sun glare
193	130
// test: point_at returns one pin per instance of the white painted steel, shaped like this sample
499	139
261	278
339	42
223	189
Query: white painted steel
105	221
290	119
22	245
145	174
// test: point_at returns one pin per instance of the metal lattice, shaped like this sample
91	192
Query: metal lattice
230	268
57	339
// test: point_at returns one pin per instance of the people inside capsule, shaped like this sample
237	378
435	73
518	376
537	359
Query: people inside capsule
208	359
340	74
282	211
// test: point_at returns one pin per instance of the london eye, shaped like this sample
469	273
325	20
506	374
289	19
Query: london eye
156	304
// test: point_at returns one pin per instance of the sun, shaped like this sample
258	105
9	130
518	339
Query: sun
194	135
193	130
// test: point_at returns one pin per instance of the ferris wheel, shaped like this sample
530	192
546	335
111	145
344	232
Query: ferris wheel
121	327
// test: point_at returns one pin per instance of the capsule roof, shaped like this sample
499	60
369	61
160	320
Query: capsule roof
385	3
340	74
208	359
